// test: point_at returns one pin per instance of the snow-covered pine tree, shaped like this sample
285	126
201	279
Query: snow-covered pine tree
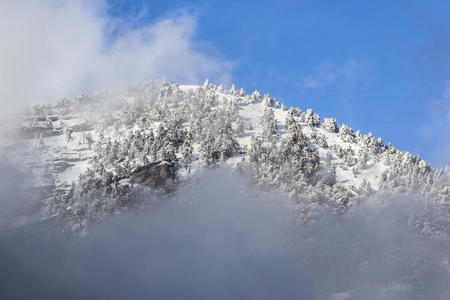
268	124
330	125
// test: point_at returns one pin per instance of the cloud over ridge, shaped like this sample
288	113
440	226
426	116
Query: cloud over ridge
53	49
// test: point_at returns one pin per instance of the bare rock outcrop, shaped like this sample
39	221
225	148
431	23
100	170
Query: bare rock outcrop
159	174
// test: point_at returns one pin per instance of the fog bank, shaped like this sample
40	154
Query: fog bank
220	238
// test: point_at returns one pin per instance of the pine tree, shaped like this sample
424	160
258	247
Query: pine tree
311	118
329	124
186	151
347	134
269	124
362	159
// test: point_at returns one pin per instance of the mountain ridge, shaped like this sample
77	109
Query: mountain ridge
84	151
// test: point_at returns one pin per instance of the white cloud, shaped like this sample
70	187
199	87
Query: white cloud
51	49
328	74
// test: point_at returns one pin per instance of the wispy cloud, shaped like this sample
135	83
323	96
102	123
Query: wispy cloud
436	130
328	74
445	95
51	49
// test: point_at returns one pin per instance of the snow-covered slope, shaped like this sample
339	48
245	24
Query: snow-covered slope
83	152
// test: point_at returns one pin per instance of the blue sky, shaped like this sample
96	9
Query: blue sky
379	66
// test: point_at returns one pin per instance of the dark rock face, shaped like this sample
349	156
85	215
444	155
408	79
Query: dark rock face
222	155
158	174
61	166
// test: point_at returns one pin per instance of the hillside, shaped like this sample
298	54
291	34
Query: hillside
96	155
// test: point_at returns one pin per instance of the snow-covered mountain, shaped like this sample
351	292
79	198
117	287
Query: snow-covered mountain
96	155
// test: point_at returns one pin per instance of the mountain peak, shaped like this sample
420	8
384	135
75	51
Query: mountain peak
83	152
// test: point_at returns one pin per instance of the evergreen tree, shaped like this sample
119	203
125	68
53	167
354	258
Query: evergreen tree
329	124
269	124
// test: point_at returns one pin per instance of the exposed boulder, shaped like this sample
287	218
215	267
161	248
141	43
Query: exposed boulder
222	155
159	174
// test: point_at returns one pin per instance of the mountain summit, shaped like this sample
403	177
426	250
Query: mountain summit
115	150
